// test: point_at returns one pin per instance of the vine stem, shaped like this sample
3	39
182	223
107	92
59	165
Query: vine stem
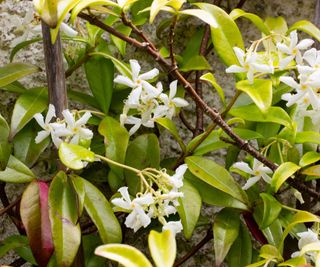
212	113
118	164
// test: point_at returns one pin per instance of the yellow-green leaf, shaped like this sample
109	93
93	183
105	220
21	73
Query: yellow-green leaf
282	173
209	77
307	27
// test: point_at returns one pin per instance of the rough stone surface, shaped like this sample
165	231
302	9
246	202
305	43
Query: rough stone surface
12	24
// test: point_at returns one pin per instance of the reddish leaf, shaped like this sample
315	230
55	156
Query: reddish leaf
35	218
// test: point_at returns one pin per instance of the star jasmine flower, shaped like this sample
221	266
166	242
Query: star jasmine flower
77	128
258	171
249	63
145	120
293	49
176	180
137	217
171	102
137	80
312	57
174	226
56	130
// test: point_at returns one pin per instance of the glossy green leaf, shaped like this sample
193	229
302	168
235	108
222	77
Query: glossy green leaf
299	217
260	91
14	87
308	137
27	105
162	248
83	98
294	262
34	211
215	175
171	127
15	71
5	146
63	215
273	233
212	196
100	74
209	77
225	36
25	148
240	253
274	114
247	134
309	158
158	5
22	45
307	27
196	62
277	24
73	155
312	171
124	254
256	20
270	252
225	232
79	188
282	173
101	213
271	210
16	172
116	139
142	152
189	208
257	264
90	243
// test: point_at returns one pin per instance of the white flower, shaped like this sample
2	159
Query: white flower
176	180
249	63
293	49
56	130
145	120
171	102
312	56
76	129
174	227
137	217
137	80
258	171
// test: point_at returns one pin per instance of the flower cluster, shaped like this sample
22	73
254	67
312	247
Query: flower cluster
308	245
71	129
153	203
147	102
257	171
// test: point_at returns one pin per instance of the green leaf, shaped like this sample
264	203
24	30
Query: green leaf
309	158
307	27
5	146
274	114
225	231
294	262
27	105
196	62
273	233
171	127
15	71
157	6
101	213
63	215
142	152
213	196
215	175
22	45
14	87
209	77
124	254
89	243
203	15
260	91
35	218
100	73
225	36
162	247
73	155
308	137
271	210
282	173
119	43
16	172
116	139
270	252
299	217
25	148
256	20
189	208
312	171
83	98
240	253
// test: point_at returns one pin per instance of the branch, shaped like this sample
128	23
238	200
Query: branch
171	41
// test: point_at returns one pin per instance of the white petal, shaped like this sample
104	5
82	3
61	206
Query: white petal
235	69
263	68
85	133
41	136
84	119
174	227
251	182
144	200
134	128
67	30
125	81
305	44
134	97
150	74
40	120
239	54
124	193
180	102
294	39
242	166
283	48
75	139
310	56
51	113
173	89
68	116
143	218
56	140
290	82
135	68
266	178
121	203
180	171
283	63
